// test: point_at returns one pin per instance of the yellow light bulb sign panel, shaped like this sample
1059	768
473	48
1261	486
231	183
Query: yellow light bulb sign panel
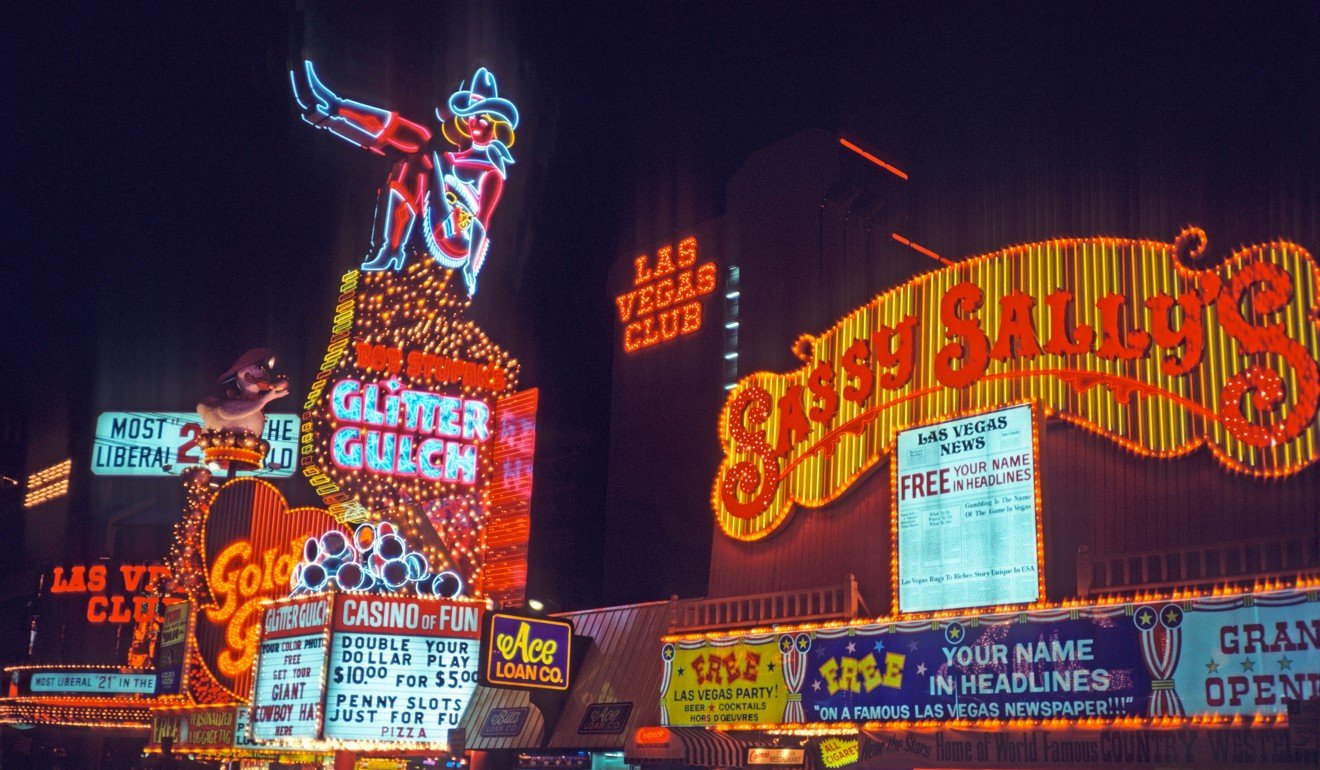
726	682
1155	346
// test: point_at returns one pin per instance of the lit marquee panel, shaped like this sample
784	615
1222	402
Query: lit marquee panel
1167	662
388	429
402	669
164	444
357	671
286	700
508	526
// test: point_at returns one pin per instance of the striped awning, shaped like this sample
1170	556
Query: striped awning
687	746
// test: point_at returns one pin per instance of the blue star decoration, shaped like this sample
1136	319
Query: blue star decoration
879	646
912	646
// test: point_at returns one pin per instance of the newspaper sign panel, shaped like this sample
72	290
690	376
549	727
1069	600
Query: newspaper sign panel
967	513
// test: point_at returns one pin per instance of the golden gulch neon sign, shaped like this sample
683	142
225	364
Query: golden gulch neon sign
1127	338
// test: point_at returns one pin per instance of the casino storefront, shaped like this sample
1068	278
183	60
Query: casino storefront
1050	505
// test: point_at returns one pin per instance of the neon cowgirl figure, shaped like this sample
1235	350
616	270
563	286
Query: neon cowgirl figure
445	198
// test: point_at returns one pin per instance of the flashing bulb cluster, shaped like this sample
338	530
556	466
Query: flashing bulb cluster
374	559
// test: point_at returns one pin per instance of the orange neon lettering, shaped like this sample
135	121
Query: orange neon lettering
793	425
1114	342
645	300
1189	336
1015	324
96	578
641	273
631	336
659	307
669	324
624	302
691	317
706	278
687	252
239	583
96	609
855	367
1061	342
664	262
821	385
73	583
118	612
896	349
664	293
685	288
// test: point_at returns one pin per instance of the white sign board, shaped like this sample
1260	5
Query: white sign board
402	669
1251	659
286	699
967	512
243	729
94	682
164	443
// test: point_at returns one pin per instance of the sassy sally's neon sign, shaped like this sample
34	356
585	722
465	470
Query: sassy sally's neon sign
1098	330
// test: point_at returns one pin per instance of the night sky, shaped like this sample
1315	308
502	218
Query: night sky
166	209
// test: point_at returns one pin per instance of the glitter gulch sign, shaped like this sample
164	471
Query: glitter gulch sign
400	419
1134	340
